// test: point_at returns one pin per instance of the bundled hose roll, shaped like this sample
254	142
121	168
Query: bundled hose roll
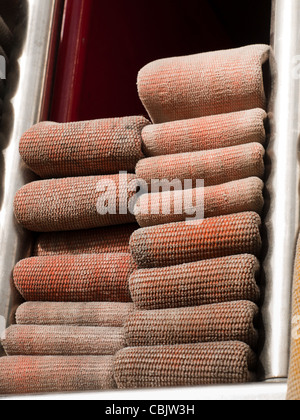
184	242
75	203
184	365
33	375
204	84
206	282
294	372
177	206
36	340
88	314
75	278
206	133
232	321
83	148
214	167
112	239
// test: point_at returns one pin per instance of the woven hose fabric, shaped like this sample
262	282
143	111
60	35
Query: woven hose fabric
75	203
206	282
204	84
233	321
176	206
78	278
184	242
82	148
184	365
214	166
206	133
294	372
47	374
112	239
36	340
88	314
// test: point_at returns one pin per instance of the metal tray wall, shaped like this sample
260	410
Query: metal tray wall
29	104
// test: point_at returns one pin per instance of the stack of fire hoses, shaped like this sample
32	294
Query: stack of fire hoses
174	303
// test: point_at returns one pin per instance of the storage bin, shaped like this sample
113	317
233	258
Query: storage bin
90	72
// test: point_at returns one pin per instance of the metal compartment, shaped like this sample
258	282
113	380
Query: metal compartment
30	103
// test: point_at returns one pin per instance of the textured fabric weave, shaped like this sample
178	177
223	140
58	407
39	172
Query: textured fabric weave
34	375
177	206
184	242
200	283
294	372
184	365
204	84
36	340
206	133
78	278
94	314
232	321
96	147
214	166
72	203
112	239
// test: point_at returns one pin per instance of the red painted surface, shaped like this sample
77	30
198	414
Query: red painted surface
105	43
71	60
